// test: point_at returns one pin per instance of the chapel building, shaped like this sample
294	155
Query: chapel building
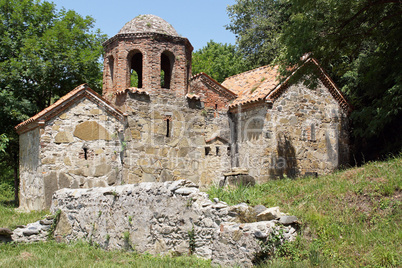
155	121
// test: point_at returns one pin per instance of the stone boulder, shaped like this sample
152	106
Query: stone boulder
236	178
269	214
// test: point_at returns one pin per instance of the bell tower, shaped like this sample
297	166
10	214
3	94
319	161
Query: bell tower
149	55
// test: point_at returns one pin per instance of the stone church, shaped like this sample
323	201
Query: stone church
155	121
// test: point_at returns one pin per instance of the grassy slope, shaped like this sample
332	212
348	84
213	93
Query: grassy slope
350	218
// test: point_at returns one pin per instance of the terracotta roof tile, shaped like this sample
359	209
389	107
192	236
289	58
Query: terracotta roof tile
253	85
132	90
192	96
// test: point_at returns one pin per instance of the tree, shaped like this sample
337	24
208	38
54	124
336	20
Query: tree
44	53
257	25
358	43
218	61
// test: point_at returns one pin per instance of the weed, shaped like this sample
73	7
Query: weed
127	243
191	240
269	247
190	202
130	220
255	87
123	145
56	219
126	236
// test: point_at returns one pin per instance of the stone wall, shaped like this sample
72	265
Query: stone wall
304	132
165	218
167	140
78	149
31	180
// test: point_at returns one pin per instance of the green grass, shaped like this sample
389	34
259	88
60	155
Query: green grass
10	218
81	254
349	218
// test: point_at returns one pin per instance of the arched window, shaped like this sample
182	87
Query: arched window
135	64
167	62
111	69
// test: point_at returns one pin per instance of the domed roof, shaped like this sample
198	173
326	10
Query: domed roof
148	24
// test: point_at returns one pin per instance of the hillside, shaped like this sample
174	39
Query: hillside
349	218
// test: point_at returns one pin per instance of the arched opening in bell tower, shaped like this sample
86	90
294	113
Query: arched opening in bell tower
167	62
111	69
135	67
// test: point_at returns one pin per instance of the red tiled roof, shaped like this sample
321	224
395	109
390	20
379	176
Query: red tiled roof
263	85
65	102
253	85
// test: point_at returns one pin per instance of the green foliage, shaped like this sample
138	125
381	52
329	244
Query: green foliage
3	142
218	61
191	240
56	220
357	42
11	219
269	246
6	192
126	236
44	53
349	217
257	25
133	79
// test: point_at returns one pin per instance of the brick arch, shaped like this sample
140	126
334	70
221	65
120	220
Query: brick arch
135	62
167	66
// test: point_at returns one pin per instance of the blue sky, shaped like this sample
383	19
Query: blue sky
199	21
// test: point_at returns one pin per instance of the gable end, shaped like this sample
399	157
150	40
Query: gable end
82	91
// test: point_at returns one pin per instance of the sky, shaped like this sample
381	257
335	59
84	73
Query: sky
199	21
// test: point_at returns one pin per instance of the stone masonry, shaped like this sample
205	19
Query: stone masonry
168	218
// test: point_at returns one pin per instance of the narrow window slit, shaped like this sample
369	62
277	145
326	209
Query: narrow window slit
86	153
167	127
